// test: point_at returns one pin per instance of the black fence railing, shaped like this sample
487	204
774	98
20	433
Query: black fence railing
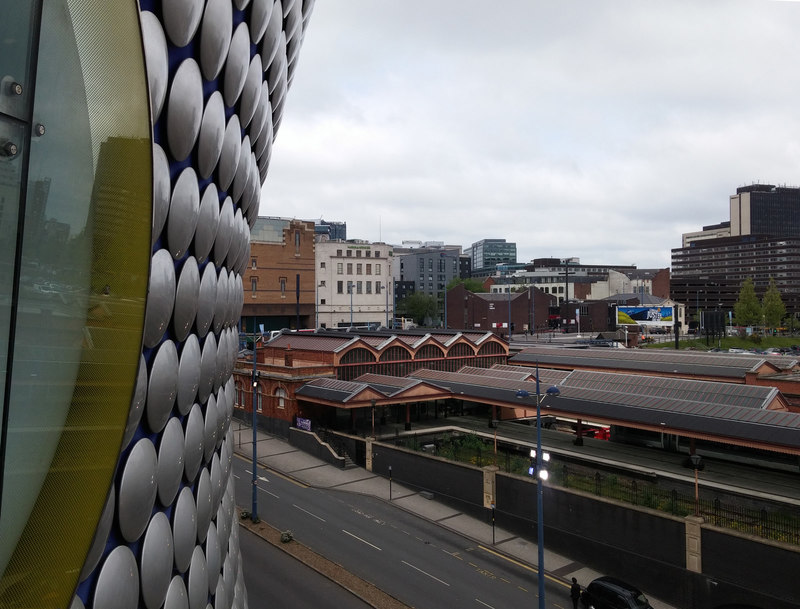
769	520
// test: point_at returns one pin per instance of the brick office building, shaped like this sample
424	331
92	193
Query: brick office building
279	281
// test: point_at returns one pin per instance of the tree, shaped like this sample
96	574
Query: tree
747	308
772	305
471	285
421	307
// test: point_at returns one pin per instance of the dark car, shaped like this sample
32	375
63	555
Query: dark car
612	593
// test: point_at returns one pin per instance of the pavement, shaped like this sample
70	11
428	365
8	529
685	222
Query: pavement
277	454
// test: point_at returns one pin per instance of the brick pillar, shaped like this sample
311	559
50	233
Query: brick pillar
694	554
369	455
489	480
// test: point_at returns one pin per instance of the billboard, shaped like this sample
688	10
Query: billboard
645	316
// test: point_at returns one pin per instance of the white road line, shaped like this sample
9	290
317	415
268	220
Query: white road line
268	493
426	573
362	540
307	512
262	478
477	600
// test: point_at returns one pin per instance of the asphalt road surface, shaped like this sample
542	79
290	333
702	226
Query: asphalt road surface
417	561
275	579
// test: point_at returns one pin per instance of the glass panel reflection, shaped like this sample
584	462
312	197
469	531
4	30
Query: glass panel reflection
83	280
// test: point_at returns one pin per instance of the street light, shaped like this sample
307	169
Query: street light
254	509
541	474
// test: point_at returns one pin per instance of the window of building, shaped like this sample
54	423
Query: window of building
297	241
340	287
358	253
339	268
322	283
258	398
322	265
349	252
338	252
377	253
358	287
349	268
253	264
359	268
349	287
283	287
369	269
280	393
239	396
321	301
377	269
369	253
254	285
369	287
377	287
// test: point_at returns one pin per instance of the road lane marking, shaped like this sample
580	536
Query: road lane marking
524	566
262	478
426	573
362	540
268	493
275	472
477	600
307	512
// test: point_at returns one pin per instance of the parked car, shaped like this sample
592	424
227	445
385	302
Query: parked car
612	593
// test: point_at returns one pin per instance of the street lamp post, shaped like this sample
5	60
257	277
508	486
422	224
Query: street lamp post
541	475
254	508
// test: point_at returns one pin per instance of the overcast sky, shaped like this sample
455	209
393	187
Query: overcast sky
601	129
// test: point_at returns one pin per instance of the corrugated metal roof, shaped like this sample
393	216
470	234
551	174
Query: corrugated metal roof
667	361
749	396
310	341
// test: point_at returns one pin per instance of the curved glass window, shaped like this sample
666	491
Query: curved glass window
75	237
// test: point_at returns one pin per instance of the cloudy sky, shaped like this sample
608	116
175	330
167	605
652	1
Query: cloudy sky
601	129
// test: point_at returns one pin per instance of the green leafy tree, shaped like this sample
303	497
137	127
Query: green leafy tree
772	305
747	308
471	285
421	307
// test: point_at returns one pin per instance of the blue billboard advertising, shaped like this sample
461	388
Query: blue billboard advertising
645	316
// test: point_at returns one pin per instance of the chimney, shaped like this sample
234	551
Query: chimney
287	357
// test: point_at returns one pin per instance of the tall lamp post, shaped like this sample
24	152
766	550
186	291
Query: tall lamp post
541	475
254	509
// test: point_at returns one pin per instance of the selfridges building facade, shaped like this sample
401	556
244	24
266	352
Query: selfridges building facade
134	140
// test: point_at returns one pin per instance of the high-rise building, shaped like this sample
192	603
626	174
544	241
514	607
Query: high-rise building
760	241
429	268
134	141
764	209
486	254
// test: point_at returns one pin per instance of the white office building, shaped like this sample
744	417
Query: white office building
354	284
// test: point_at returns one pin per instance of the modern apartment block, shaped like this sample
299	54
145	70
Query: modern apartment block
429	269
761	241
354	284
486	254
279	284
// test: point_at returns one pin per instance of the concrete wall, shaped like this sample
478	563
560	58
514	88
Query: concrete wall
646	547
457	484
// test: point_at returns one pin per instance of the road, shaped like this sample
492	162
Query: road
290	583
417	561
